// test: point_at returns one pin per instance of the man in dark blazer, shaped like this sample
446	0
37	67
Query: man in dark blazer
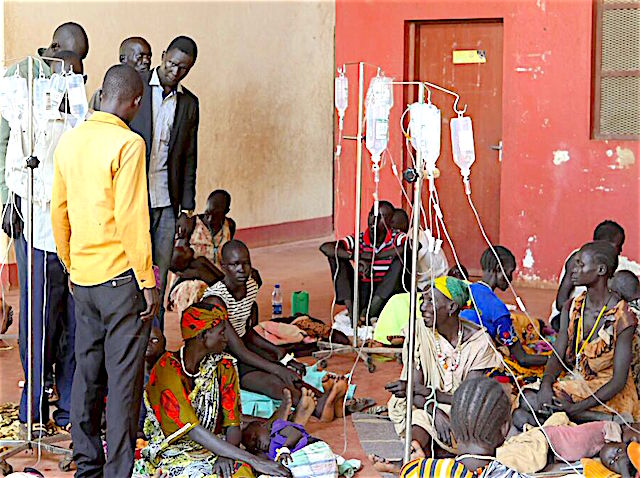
168	122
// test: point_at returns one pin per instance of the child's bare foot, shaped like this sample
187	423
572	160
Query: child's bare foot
327	382
284	409
416	450
383	465
337	393
338	406
305	408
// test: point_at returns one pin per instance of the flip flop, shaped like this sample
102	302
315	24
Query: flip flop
356	405
380	410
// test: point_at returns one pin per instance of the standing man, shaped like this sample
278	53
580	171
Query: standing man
71	44
135	52
168	122
101	229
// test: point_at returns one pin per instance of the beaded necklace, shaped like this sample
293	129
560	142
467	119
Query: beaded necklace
455	358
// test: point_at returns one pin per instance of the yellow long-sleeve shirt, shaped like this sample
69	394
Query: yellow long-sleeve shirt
99	205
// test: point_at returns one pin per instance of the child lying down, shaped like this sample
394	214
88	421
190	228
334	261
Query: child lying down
283	438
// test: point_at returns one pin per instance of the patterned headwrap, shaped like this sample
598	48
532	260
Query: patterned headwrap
199	317
453	289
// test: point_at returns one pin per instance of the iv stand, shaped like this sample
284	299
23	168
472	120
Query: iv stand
46	443
417	199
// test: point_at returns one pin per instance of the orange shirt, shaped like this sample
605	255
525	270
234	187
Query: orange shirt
99	205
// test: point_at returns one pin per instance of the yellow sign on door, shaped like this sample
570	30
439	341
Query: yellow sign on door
461	57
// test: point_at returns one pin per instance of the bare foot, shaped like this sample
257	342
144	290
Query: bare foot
337	393
284	409
305	408
339	405
383	465
416	450
327	382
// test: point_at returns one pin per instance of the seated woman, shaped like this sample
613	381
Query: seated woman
259	361
448	351
198	251
595	339
394	316
193	407
494	315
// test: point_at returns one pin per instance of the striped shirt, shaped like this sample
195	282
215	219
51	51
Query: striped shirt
392	247
238	310
453	468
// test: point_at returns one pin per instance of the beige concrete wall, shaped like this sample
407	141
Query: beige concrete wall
264	77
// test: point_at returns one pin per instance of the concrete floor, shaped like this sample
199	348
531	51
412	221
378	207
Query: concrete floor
298	266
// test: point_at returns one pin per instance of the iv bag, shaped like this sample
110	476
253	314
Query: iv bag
378	102
77	95
341	94
424	128
380	92
377	130
57	89
41	99
462	144
14	97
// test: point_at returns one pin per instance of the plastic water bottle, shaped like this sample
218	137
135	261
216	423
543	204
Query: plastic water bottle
276	302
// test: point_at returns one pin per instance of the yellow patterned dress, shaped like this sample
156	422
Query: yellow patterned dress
174	409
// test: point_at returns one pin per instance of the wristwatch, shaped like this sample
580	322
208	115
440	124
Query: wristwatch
187	212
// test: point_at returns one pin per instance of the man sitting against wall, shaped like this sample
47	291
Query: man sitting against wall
380	266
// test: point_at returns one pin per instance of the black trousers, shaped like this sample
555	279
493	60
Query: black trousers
110	344
390	285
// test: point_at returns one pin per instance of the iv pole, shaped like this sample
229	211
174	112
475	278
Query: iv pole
417	200
29	443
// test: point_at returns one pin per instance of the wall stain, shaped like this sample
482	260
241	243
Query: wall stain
625	157
560	156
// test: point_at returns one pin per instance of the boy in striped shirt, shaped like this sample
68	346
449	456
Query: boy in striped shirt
381	264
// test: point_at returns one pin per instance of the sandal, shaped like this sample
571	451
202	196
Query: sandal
380	411
359	404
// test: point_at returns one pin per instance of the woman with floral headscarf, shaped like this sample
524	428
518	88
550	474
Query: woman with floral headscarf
448	350
193	407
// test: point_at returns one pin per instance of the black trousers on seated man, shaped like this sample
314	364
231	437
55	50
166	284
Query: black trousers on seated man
390	285
111	340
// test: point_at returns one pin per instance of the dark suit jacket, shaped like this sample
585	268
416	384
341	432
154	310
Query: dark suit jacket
183	144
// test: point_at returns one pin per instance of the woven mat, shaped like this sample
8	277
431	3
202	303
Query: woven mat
377	436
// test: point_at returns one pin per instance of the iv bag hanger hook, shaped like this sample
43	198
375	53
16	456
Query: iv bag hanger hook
449	92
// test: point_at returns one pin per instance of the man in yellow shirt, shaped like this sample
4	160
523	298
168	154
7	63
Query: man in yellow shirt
100	217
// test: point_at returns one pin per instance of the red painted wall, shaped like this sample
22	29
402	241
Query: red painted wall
547	208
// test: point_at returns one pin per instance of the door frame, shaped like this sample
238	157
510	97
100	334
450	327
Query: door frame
411	65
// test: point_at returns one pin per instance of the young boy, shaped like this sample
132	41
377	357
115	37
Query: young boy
288	443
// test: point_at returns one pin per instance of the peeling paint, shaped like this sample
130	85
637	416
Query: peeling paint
603	189
629	263
625	158
534	70
532	238
528	260
560	156
531	278
542	5
609	153
545	123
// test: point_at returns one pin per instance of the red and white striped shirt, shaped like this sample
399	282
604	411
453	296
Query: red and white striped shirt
391	248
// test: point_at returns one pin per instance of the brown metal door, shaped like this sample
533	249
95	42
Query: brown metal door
430	47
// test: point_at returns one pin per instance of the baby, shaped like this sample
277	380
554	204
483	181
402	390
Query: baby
627	286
